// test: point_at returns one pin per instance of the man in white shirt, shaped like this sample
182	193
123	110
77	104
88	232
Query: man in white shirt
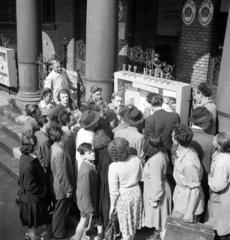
57	80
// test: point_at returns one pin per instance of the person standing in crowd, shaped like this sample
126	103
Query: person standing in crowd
103	160
65	103
116	101
43	148
202	97
63	182
188	197
33	198
125	173
31	123
87	191
96	95
89	121
134	118
218	213
46	103
120	117
202	142
157	192
57	80
160	122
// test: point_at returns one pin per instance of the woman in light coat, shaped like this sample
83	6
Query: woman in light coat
218	213
188	196
157	192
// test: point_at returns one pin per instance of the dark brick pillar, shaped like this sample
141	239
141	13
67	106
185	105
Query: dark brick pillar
195	48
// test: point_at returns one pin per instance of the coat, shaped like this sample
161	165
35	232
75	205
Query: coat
202	143
218	213
87	189
156	189
32	180
103	162
62	172
162	122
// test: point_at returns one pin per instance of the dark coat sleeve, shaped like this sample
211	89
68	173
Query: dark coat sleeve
62	172
44	153
34	181
85	195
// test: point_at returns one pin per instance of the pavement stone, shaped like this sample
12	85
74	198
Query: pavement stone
10	225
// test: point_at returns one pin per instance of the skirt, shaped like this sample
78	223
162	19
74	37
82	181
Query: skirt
130	211
34	214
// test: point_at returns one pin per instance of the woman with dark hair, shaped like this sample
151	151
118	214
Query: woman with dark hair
157	192
65	103
188	197
63	182
33	200
103	160
218	213
125	172
46	103
202	98
31	123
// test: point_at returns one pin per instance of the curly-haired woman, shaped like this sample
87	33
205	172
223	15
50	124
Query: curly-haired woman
188	197
125	194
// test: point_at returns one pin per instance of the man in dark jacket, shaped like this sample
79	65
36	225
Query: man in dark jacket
160	122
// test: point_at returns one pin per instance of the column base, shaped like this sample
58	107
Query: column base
24	98
106	85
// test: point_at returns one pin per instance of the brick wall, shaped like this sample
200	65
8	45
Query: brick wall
195	49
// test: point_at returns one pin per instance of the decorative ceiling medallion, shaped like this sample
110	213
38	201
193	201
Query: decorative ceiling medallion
205	13
121	10
188	12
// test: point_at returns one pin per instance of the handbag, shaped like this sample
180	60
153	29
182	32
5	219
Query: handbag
112	231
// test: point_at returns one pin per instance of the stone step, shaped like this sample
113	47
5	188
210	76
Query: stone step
9	142
9	164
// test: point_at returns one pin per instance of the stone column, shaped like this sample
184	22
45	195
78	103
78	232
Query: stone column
223	89
29	44
101	39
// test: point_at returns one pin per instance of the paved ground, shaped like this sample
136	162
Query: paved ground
10	226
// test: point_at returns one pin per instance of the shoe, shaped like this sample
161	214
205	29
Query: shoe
27	236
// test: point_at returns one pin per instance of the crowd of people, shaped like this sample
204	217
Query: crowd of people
96	160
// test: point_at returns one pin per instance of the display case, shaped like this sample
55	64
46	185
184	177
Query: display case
8	72
135	87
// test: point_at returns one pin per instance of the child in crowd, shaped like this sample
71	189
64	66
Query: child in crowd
87	191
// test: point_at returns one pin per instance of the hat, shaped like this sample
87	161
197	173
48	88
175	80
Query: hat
89	118
133	116
94	89
200	115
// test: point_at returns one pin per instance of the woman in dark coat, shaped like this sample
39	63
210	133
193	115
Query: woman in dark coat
103	160
33	200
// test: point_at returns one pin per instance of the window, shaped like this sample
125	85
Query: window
8	11
48	11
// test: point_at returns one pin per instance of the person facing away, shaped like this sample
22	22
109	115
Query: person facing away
202	142
188	197
160	122
57	80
